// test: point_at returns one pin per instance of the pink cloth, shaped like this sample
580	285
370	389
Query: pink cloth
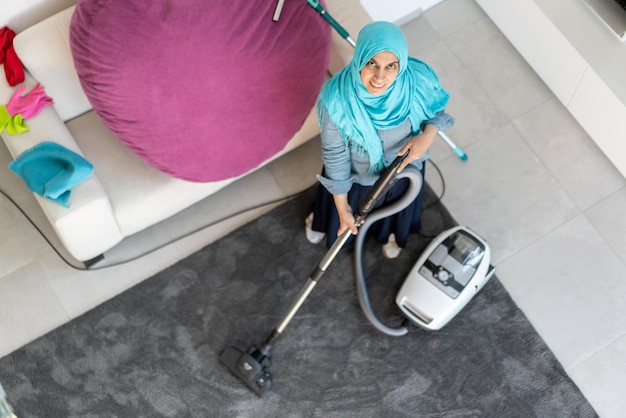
30	104
202	93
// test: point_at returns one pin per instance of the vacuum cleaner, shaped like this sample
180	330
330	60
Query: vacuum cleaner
452	269
450	272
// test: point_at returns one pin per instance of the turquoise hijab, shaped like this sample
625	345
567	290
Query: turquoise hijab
415	94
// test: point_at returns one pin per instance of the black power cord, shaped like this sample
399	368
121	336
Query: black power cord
443	186
151	250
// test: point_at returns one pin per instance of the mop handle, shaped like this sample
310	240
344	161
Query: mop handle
457	150
345	35
278	10
340	30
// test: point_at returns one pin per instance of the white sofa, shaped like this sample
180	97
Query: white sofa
124	195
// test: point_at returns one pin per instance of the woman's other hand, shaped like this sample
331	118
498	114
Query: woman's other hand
418	145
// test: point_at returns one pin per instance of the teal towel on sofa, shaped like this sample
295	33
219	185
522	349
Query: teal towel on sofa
51	170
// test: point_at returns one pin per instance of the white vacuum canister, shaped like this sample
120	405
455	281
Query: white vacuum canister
450	271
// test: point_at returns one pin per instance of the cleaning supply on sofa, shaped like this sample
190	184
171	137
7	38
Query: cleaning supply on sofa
29	104
21	107
14	124
51	170
13	68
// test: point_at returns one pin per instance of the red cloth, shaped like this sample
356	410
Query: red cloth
13	68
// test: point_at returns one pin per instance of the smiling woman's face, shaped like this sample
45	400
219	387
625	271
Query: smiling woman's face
380	72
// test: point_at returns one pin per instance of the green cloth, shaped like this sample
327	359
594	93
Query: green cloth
14	124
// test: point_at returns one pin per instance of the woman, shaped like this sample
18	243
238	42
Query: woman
382	104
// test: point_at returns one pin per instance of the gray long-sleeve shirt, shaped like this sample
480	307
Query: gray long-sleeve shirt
345	167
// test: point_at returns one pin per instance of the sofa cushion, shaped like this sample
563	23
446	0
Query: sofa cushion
45	52
141	195
203	93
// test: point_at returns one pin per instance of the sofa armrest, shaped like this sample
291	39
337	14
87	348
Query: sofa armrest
44	49
88	227
351	15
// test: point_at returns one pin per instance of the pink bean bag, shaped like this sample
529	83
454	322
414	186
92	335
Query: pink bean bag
201	90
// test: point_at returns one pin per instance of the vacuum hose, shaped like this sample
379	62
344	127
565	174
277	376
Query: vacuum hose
415	185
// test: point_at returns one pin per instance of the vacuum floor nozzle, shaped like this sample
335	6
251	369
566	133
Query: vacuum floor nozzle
252	367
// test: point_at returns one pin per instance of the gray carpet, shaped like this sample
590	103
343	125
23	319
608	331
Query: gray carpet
153	351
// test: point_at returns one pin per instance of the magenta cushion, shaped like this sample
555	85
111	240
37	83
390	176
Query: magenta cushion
201	90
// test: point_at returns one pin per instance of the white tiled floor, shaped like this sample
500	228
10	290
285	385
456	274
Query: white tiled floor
535	186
